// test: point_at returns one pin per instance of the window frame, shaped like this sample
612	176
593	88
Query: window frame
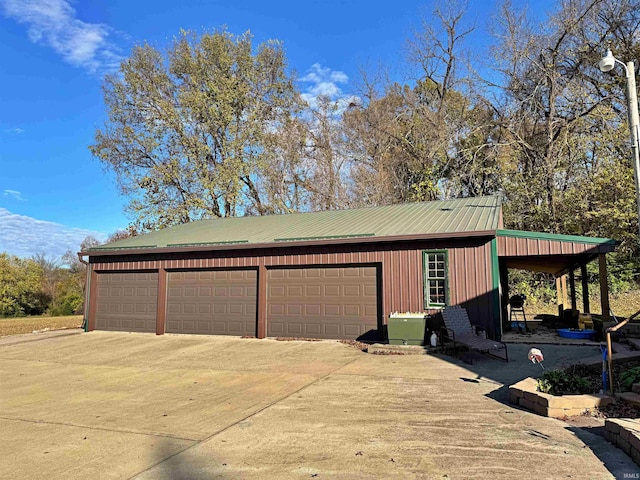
426	278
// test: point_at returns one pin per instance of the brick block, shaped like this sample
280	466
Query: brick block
527	385
624	445
635	441
533	396
625	435
630	397
612	425
578	411
540	409
610	437
635	455
545	399
528	404
604	400
563	401
635	388
556	412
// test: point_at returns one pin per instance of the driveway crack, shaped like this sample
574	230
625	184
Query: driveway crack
89	427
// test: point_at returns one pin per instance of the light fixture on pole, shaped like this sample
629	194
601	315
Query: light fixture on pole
607	64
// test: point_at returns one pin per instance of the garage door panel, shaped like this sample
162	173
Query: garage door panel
331	302
313	273
313	309
332	291
127	301
352	310
351	290
220	302
332	310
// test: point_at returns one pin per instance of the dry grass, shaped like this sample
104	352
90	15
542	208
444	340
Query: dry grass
16	326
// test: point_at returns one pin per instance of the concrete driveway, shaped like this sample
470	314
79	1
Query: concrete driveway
117	405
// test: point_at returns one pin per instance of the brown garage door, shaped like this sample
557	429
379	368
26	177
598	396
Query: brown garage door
127	302
221	302
336	302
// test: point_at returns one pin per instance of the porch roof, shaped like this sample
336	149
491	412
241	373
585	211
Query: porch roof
548	252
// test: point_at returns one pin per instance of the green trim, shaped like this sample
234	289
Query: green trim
495	284
93	249
554	236
200	244
425	278
324	237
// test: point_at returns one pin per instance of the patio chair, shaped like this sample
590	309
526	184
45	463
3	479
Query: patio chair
458	329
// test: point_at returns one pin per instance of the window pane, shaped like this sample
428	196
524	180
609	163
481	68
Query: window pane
435	278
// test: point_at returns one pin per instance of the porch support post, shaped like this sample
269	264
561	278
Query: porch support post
585	288
559	296
504	285
572	286
604	286
565	302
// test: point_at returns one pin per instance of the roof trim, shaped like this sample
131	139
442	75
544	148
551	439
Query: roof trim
555	237
287	244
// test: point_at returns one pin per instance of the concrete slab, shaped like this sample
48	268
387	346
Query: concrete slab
205	407
37	450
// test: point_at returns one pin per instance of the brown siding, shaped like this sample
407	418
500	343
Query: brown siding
516	247
470	283
401	266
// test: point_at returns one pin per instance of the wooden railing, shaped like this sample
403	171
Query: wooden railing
615	328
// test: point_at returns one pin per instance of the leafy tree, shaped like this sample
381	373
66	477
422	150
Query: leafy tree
21	287
188	133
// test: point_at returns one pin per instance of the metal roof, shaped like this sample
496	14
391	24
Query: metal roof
450	218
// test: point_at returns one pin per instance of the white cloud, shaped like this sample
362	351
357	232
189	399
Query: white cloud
14	131
25	236
14	194
322	81
53	23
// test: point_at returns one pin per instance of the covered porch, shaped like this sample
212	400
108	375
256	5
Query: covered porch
560	256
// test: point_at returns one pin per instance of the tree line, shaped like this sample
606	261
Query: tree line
216	126
44	285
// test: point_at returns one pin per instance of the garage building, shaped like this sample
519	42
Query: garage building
331	274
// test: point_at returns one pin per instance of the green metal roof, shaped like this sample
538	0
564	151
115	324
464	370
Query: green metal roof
555	236
460	216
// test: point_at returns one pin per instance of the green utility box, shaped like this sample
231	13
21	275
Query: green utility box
406	328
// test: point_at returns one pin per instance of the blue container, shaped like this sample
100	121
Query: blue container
578	334
517	325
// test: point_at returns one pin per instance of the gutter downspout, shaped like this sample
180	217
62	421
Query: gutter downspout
85	322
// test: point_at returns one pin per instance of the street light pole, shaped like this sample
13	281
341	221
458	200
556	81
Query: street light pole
607	63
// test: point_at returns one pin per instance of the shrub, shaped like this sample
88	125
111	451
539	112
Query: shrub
67	305
629	377
558	382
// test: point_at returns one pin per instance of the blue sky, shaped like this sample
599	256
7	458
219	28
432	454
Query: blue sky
55	53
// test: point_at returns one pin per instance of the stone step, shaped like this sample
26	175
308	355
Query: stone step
634	343
630	398
620	348
635	388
